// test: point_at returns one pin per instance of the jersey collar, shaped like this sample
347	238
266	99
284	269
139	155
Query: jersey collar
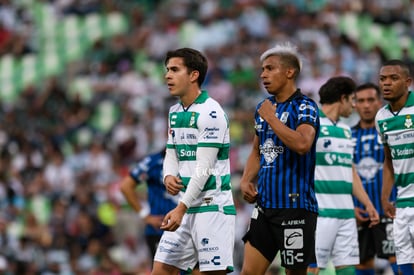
408	103
295	94
202	97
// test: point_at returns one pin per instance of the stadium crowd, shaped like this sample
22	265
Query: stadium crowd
65	149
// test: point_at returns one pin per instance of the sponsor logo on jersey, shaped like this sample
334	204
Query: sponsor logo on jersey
187	153
293	222
216	260
270	151
304	106
204	241
209	249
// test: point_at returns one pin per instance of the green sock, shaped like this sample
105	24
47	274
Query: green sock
347	270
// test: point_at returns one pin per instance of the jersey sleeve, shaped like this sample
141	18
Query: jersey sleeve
308	113
378	127
140	171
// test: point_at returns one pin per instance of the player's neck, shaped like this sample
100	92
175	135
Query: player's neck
397	105
331	111
285	94
190	97
366	124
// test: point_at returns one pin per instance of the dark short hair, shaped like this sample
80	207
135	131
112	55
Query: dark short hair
334	88
193	60
369	85
397	62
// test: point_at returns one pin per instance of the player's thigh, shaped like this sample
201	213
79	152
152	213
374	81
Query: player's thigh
177	248
404	234
326	231
214	235
346	249
253	262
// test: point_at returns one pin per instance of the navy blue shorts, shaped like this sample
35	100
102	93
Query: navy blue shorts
377	240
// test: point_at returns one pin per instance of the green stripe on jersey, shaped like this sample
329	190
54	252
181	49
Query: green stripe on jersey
402	151
404	202
227	210
397	123
225	182
334	132
184	119
333	158
188	152
210	183
337	213
403	180
333	187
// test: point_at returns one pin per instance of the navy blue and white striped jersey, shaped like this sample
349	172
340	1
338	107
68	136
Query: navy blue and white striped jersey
286	178
149	171
369	159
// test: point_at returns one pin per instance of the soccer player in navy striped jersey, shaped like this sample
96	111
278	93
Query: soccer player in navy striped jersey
369	158
149	171
279	173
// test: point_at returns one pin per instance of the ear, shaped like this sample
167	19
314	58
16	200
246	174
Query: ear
290	73
194	76
409	81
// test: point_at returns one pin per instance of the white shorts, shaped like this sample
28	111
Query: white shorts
206	238
336	240
404	235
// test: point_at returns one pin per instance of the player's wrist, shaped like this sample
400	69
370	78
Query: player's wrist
144	212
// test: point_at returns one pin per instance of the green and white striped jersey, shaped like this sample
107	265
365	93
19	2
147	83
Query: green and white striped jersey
397	132
203	124
333	172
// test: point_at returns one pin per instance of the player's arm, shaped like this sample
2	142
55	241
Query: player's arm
250	172
359	192
172	180
387	184
128	190
299	140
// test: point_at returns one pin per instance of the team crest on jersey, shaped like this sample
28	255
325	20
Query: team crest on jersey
284	117
192	119
347	133
408	122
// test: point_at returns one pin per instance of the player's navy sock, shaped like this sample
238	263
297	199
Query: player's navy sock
394	268
370	271
406	269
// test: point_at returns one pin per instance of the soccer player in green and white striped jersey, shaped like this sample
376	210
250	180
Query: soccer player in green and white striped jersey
336	180
200	230
394	123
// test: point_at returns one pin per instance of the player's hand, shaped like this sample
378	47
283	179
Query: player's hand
373	216
173	184
249	192
360	215
267	110
173	218
154	220
389	209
